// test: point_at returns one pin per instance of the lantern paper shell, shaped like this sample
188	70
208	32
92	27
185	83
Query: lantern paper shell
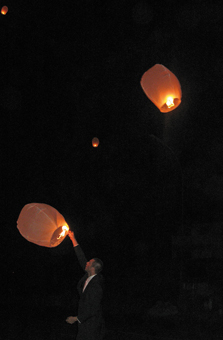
161	85
95	142
4	10
41	224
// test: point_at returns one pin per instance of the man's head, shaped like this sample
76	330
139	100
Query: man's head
94	266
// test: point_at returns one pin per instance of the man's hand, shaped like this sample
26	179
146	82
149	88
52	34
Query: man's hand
72	237
71	319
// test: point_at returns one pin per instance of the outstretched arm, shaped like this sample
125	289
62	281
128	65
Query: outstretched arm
73	239
79	252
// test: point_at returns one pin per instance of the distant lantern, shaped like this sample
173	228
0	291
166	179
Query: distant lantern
162	87
4	10
41	224
95	142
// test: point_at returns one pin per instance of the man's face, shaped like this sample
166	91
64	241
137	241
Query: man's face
89	265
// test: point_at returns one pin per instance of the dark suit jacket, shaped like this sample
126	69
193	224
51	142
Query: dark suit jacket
91	326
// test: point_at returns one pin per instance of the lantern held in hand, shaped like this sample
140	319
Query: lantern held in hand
162	87
41	224
95	142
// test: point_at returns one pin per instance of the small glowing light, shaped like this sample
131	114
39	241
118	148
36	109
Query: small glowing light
4	10
170	102
95	142
65	230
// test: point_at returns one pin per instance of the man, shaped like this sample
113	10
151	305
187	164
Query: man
90	288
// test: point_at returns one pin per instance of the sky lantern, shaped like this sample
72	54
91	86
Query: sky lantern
4	10
95	142
42	224
162	87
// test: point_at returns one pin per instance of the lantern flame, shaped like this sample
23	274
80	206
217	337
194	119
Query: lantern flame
65	230
170	102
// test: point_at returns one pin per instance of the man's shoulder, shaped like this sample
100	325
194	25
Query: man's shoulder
99	277
99	280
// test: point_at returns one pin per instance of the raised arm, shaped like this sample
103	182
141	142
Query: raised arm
79	252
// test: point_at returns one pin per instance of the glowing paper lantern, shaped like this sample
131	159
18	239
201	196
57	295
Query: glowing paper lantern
95	142
162	87
41	224
4	10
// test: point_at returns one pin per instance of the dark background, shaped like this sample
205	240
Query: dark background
71	71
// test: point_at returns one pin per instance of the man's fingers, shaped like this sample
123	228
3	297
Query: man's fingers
70	319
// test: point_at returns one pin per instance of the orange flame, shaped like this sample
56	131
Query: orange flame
65	230
169	102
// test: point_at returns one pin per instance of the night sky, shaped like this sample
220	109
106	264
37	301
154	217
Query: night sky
71	71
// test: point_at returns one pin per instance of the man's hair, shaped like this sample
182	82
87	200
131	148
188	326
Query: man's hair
98	265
